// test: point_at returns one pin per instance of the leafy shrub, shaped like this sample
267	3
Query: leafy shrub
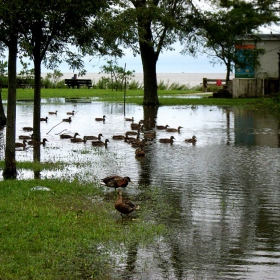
162	85
103	83
135	85
177	86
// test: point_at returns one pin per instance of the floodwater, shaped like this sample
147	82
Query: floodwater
222	195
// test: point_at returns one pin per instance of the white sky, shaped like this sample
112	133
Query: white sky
169	62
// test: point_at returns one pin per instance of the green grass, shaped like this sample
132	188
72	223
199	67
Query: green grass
66	233
166	97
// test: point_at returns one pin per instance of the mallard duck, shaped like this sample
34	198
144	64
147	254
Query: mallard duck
129	119
116	181
162	127
124	206
167	140
91	137
100	143
118	137
132	132
68	136
27	128
53	113
67	120
44	119
100	119
140	152
135	126
43	142
191	140
21	145
78	140
71	113
25	137
174	129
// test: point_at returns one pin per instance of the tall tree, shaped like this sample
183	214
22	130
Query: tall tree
53	25
217	31
148	27
11	19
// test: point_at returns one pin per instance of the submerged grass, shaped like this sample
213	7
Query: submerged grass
69	232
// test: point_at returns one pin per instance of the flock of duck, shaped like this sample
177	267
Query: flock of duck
131	137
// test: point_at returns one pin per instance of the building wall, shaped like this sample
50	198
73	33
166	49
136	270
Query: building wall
247	88
269	60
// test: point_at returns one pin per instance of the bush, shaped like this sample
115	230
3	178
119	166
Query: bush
135	85
177	86
103	83
162	85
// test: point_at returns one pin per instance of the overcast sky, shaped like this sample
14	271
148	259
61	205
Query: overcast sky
169	62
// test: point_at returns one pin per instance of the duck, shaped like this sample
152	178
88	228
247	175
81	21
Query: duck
71	113
68	136
118	137
162	127
43	142
91	137
27	128
100	119
116	181
135	126
124	206
191	140
174	129
21	145
67	120
100	143
78	140
139	152
167	140
44	119
53	113
25	137
129	119
132	132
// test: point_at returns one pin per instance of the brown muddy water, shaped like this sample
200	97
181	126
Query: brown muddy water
222	194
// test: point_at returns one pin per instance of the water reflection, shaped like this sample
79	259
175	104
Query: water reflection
220	198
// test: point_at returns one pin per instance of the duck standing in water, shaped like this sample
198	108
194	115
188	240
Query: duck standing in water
67	120
174	129
101	119
124	206
21	145
33	142
100	143
68	136
167	140
115	181
191	140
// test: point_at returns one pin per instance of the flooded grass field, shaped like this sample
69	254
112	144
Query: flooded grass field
219	197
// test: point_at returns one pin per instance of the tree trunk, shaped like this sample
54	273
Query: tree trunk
3	119
149	62
37	105
10	171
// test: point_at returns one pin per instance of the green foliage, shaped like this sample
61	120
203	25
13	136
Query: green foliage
135	85
118	75
54	77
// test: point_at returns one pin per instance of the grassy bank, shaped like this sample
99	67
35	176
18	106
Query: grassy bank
69	232
166	97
